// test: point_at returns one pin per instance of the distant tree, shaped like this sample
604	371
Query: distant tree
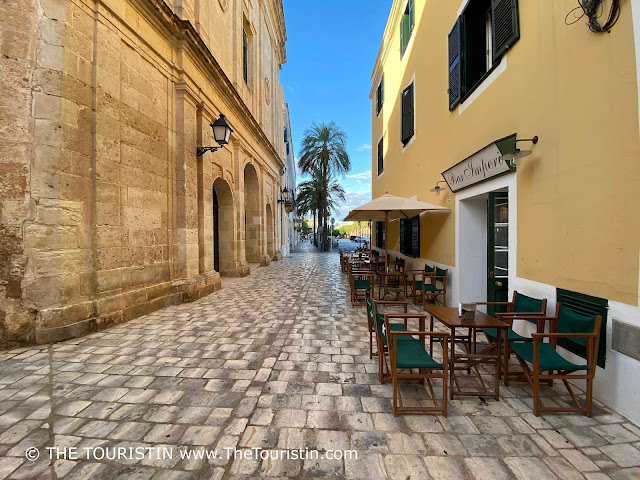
324	152
309	197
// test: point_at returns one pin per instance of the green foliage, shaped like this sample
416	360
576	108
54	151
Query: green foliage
305	229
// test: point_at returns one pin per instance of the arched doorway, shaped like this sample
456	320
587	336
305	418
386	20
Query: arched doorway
252	215
223	228
270	239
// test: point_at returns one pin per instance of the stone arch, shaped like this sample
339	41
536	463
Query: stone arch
270	230
252	214
224	222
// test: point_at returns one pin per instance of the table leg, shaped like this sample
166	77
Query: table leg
431	338
452	362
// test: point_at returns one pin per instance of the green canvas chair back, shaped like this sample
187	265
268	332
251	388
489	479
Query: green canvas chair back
369	301
380	326
524	304
428	269
441	275
572	322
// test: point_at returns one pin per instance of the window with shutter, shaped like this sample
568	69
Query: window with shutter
415	236
380	156
403	243
455	64
245	55
380	234
406	26
407	114
480	37
380	95
505	28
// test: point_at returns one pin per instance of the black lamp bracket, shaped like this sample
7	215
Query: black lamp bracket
533	140
202	150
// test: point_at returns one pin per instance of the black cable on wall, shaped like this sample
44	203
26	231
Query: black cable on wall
594	10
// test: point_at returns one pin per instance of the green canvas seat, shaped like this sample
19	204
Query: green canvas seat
361	284
492	335
412	354
549	358
428	287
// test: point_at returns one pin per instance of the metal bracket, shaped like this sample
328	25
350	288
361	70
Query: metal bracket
202	150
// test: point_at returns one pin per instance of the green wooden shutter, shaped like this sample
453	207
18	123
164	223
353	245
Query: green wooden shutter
380	95
505	26
380	157
382	238
412	17
407	114
380	234
405	33
415	236
589	306
402	35
455	64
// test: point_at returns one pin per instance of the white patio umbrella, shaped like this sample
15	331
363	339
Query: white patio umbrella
389	207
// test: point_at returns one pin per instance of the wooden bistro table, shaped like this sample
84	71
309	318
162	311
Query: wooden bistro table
471	359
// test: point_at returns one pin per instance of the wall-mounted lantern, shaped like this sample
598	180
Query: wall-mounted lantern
221	132
437	189
516	154
286	198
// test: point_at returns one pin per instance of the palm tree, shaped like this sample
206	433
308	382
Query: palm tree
324	149
307	201
310	194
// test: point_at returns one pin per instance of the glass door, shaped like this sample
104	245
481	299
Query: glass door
498	251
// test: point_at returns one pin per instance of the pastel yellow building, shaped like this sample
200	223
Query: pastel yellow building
454	85
107	211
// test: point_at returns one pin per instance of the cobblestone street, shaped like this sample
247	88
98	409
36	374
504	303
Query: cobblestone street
277	360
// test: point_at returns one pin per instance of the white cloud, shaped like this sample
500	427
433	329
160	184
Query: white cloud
353	199
363	178
364	147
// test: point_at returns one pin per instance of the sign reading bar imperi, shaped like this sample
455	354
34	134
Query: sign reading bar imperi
481	166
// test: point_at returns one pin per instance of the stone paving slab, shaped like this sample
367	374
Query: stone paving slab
277	360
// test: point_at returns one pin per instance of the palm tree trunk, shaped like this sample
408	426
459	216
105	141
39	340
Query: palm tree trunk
325	204
315	232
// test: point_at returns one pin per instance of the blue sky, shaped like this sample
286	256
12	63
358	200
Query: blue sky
331	48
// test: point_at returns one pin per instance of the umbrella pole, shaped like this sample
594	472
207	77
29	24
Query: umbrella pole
386	234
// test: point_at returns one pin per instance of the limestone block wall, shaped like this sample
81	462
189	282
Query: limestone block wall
18	53
105	211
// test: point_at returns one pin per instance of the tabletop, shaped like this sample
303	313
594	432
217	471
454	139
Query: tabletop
449	316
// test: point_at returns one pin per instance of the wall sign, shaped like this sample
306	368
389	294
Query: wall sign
481	166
